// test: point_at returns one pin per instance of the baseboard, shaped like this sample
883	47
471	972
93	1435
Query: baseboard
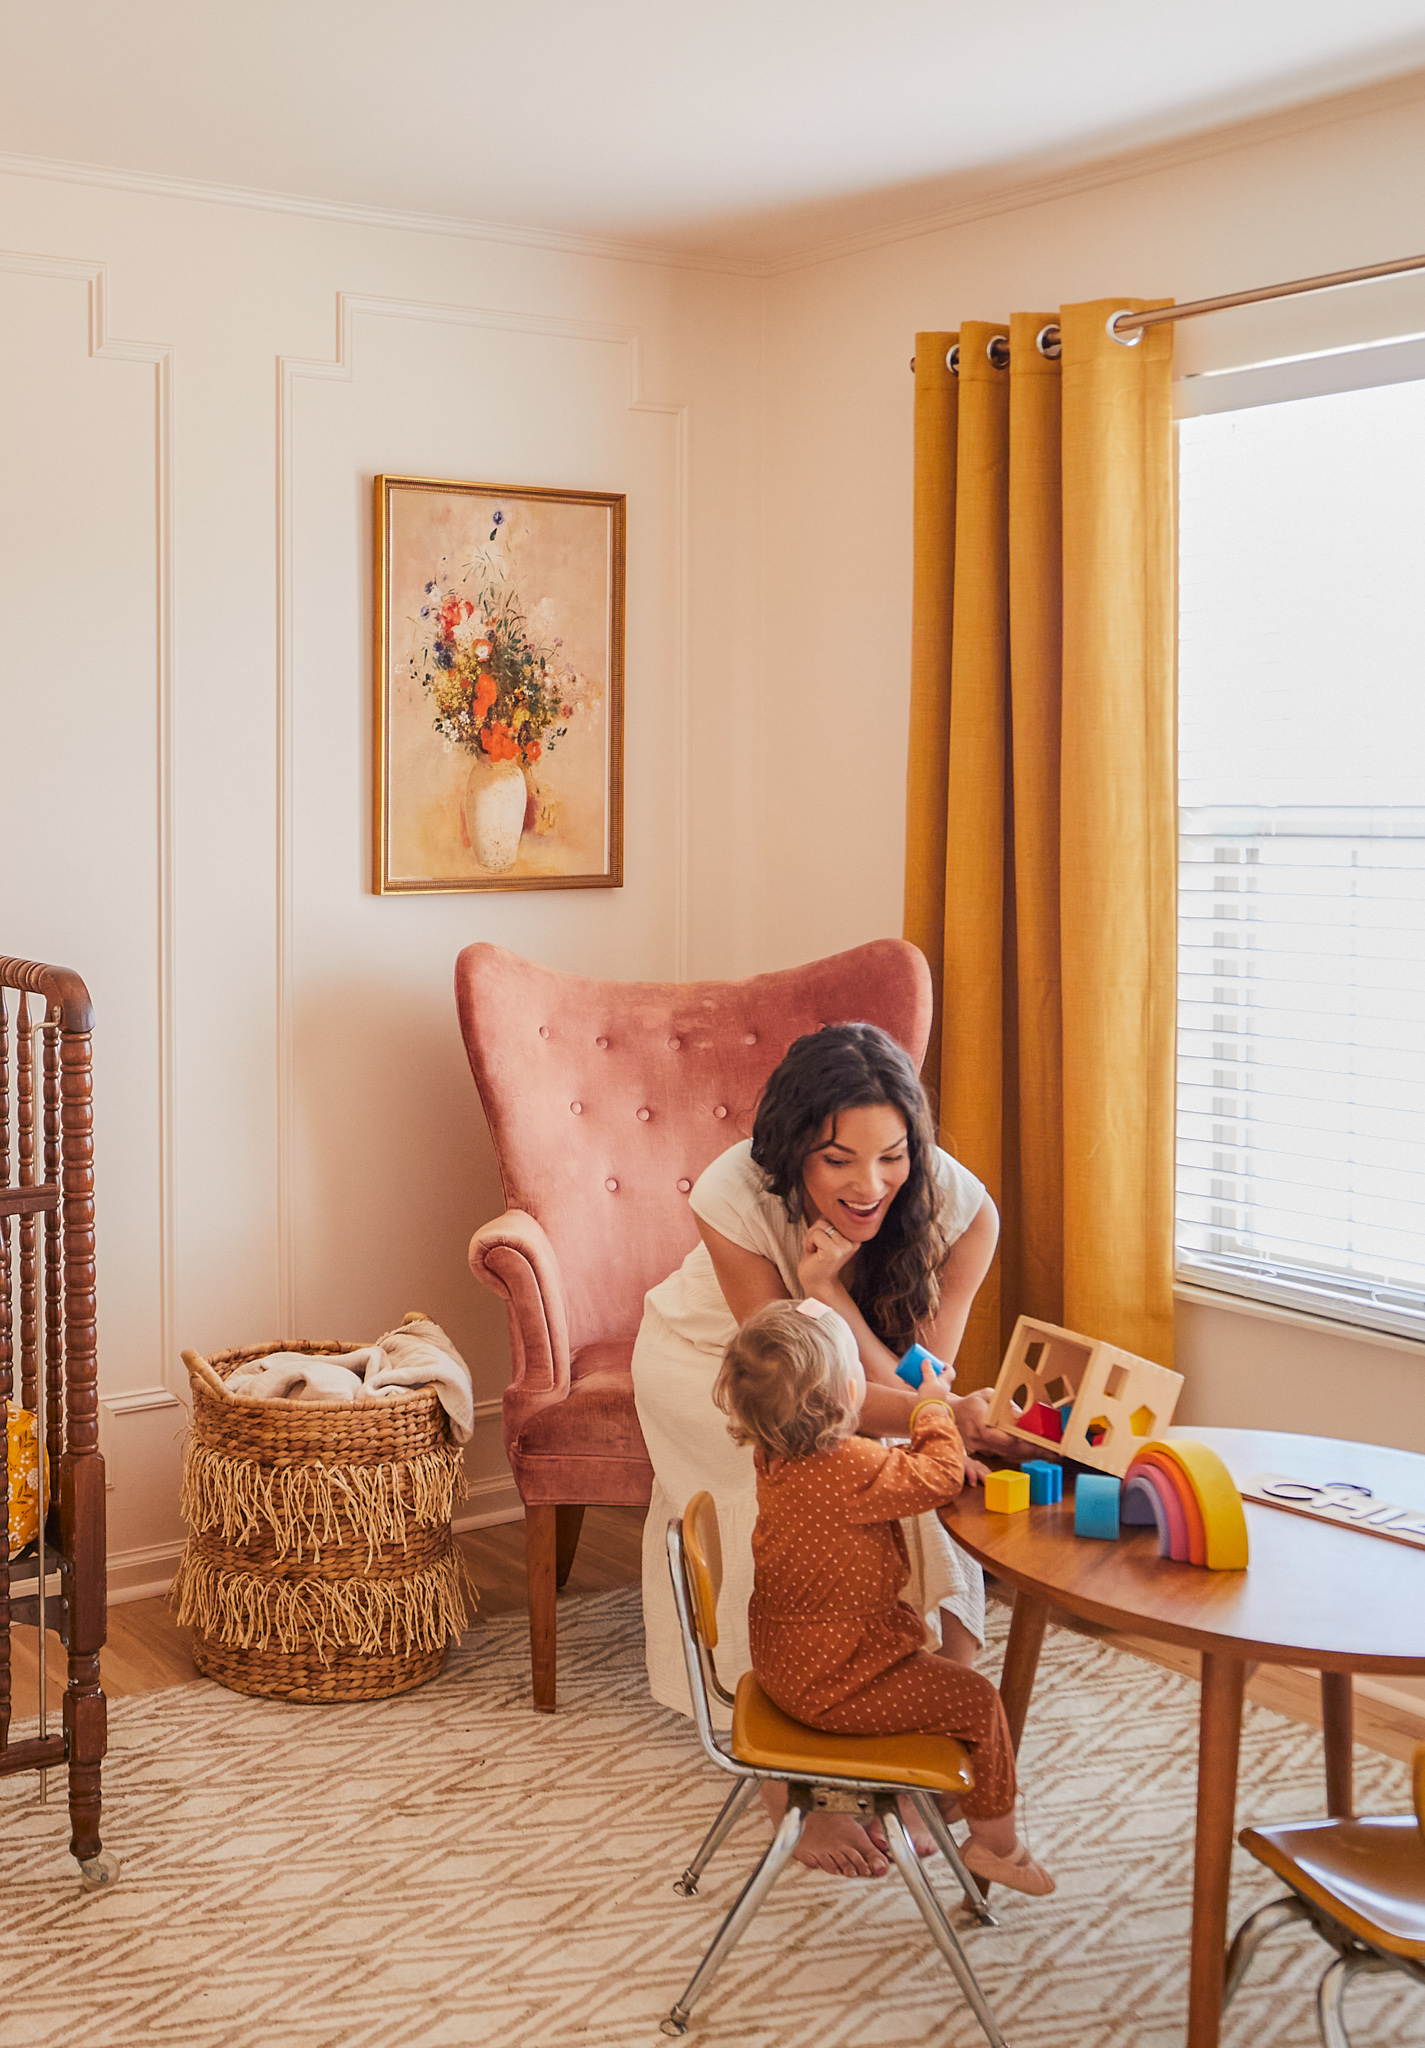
490	1501
143	1574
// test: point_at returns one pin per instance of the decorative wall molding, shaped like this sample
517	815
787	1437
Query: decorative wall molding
561	241
351	306
1008	191
108	347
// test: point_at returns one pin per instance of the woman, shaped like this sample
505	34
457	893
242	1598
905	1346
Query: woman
843	1195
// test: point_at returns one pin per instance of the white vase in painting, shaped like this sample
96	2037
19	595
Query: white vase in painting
495	800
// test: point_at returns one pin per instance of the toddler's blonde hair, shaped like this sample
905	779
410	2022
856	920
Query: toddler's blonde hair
786	1380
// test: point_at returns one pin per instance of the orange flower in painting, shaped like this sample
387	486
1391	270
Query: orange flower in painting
532	751
483	698
498	744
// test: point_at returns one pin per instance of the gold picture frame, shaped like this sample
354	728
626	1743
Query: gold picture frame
497	752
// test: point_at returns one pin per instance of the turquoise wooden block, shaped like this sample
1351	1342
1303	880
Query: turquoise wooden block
1096	1506
1046	1481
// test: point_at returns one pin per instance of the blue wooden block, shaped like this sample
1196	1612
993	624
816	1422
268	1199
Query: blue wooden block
912	1367
1096	1506
1046	1481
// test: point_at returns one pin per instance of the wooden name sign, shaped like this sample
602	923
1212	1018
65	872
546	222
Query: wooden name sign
1350	1507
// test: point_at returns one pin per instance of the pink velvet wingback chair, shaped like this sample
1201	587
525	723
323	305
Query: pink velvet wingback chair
605	1101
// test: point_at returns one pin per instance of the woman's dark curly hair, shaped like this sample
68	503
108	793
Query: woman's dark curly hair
895	1277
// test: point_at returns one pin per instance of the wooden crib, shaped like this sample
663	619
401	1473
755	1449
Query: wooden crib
47	1334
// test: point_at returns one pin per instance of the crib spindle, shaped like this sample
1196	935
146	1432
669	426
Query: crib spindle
54	1267
25	1151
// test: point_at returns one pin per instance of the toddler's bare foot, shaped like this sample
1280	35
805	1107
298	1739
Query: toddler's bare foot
921	1839
830	1841
1018	1872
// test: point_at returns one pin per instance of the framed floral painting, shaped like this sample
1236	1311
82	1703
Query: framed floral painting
498	758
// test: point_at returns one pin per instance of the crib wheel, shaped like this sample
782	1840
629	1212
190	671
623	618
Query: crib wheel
100	1873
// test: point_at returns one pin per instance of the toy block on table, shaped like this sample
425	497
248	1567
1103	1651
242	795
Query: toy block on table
1107	1402
1188	1493
916	1364
1006	1493
1046	1481
1096	1506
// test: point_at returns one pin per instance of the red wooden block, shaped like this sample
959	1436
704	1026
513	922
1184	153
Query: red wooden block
1044	1421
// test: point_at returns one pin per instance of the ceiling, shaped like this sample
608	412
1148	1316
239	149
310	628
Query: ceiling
746	130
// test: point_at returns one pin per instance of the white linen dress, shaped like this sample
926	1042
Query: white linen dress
687	1326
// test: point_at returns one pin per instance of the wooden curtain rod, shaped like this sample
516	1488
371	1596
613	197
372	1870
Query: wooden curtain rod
1126	327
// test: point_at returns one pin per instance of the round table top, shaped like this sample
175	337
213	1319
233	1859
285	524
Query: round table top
1315	1594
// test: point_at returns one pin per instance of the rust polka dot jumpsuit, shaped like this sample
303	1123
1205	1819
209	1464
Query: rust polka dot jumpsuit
833	1644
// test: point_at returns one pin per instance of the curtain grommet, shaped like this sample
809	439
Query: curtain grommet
1050	342
997	350
1124	340
952	360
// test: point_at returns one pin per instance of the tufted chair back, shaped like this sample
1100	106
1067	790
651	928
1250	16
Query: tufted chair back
606	1099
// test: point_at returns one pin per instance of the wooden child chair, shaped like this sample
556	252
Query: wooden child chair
1359	1883
861	1774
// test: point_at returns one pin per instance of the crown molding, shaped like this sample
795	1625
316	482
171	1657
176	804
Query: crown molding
1408	89
60	170
1006	194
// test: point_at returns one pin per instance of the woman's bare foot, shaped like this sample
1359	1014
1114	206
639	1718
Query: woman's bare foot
829	1841
921	1839
1018	1872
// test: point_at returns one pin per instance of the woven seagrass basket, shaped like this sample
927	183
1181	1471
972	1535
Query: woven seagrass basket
319	1564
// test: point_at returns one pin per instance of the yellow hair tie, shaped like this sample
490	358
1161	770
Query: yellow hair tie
931	1401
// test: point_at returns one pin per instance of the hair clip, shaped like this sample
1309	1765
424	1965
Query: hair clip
813	1308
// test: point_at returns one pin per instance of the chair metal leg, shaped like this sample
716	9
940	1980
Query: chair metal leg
1250	1936
945	1842
1330	1993
716	1835
942	1933
778	1854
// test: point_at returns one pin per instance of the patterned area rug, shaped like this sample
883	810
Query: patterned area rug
451	1868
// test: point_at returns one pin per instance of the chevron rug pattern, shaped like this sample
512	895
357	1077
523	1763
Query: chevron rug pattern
450	1868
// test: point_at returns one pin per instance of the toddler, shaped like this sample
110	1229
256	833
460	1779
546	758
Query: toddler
833	1644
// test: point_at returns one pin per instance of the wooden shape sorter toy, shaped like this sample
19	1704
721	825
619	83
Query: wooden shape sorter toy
1109	1403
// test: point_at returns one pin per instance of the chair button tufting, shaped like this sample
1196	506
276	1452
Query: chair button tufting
544	1031
612	1186
685	1187
602	1044
577	1107
749	1038
721	1109
644	1115
675	1045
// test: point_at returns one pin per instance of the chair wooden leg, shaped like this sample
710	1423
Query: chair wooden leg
570	1520
541	1549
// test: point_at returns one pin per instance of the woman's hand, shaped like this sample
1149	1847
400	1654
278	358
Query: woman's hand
824	1252
971	1413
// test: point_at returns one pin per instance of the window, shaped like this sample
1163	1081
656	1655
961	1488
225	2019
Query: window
1301	1018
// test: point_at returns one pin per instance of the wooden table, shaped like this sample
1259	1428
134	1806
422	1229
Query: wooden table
1325	1598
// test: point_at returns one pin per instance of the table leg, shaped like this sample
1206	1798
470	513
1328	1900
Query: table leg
1021	1659
1338	1730
1219	1734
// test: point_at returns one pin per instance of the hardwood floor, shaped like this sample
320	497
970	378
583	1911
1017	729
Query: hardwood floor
148	1652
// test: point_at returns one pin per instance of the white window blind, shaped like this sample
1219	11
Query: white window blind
1301	1044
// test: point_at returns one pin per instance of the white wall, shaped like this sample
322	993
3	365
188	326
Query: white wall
838	556
288	1140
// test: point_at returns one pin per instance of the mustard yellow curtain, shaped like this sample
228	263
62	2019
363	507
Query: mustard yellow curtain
1040	844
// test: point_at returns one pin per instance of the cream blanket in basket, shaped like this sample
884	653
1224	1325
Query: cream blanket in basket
418	1354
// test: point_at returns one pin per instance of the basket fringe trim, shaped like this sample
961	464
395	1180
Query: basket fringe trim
374	1617
310	1508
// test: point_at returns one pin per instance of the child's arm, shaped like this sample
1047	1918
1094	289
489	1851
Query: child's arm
889	1484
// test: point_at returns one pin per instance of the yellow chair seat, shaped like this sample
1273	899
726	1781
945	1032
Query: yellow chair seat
769	1740
1368	1874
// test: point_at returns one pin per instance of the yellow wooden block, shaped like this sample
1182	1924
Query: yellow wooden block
1007	1493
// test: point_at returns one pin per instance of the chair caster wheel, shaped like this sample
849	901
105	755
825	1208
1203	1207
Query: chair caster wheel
686	1887
100	1873
673	2025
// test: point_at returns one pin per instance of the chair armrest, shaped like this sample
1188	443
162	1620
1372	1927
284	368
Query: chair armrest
513	1257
